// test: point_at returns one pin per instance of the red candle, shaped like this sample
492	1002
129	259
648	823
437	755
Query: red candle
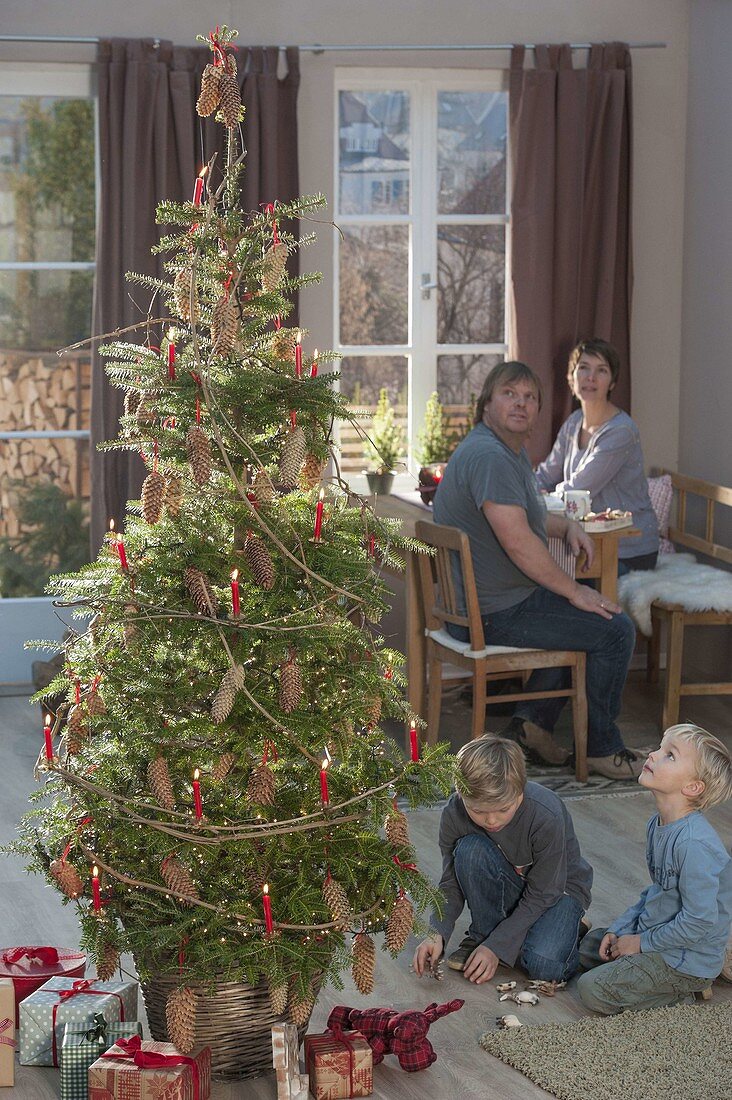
95	889
414	743
267	904
293	418
298	356
171	360
198	188
119	546
318	518
324	796
197	795
314	367
48	738
235	607
372	546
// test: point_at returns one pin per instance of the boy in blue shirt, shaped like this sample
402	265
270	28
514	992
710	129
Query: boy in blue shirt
671	943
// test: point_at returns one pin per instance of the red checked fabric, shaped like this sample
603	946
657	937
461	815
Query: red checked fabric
388	1032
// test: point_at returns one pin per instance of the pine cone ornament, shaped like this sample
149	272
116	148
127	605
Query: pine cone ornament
260	562
264	490
224	326
129	627
373	712
95	704
77	729
132	400
145	414
173	495
153	495
363	960
232	682
107	962
301	1005
158	780
67	877
178	880
199	454
290	686
230	102
200	591
311	472
283	345
261	785
210	94
400	923
180	1017
182	296
292	456
223	766
336	899
278	998
255	879
273	266
397	829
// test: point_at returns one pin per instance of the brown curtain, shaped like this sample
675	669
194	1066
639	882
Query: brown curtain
152	145
570	142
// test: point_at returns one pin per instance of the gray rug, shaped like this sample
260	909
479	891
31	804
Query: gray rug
680	1053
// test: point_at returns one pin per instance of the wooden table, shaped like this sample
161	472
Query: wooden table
604	569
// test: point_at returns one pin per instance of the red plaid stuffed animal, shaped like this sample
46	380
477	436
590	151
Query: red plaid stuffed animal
390	1032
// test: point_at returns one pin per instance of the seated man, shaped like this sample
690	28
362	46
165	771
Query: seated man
489	491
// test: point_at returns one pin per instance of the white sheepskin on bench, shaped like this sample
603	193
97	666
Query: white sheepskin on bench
678	578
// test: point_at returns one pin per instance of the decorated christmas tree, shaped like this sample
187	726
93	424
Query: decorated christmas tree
219	797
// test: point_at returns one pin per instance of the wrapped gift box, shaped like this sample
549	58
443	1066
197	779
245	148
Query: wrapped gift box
339	1066
30	967
80	1048
61	1001
7	1032
137	1070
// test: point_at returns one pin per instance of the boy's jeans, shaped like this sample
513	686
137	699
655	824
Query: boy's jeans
492	889
632	981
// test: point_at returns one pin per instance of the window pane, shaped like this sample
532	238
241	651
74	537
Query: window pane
362	378
44	310
46	179
471	152
44	496
374	152
460	379
373	283
471	284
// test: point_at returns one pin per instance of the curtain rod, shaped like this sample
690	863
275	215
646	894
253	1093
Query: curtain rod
317	48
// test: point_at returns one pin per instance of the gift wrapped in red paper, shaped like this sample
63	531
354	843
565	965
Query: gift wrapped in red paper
135	1069
31	967
340	1065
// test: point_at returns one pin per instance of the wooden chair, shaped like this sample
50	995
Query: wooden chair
674	615
482	662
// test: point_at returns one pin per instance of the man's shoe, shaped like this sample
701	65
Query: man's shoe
584	928
727	967
539	746
461	954
618	765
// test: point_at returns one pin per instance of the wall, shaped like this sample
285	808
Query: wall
660	78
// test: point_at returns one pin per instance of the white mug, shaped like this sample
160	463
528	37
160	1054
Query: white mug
577	503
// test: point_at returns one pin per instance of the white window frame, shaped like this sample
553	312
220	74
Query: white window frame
422	86
67	81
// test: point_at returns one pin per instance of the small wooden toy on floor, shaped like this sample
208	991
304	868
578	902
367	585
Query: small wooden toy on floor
291	1084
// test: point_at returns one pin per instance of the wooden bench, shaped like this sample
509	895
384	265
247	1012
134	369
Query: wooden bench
675	615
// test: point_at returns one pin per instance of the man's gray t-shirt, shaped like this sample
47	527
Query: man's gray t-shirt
484	468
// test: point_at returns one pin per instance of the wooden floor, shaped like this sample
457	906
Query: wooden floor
611	831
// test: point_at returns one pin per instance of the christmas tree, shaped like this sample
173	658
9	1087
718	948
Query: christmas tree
219	798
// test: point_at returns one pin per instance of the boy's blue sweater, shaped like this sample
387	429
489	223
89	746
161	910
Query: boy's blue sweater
685	913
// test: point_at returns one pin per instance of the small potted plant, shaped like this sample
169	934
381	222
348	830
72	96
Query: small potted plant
384	447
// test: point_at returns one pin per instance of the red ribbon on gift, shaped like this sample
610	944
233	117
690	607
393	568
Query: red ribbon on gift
83	985
131	1050
7	1040
46	955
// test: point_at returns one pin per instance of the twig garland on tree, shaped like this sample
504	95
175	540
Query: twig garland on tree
234	484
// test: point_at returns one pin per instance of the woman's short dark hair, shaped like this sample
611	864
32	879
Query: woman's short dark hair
512	371
601	348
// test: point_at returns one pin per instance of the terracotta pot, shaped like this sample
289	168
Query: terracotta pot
380	483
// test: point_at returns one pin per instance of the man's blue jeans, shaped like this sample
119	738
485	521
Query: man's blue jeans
547	621
492	889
